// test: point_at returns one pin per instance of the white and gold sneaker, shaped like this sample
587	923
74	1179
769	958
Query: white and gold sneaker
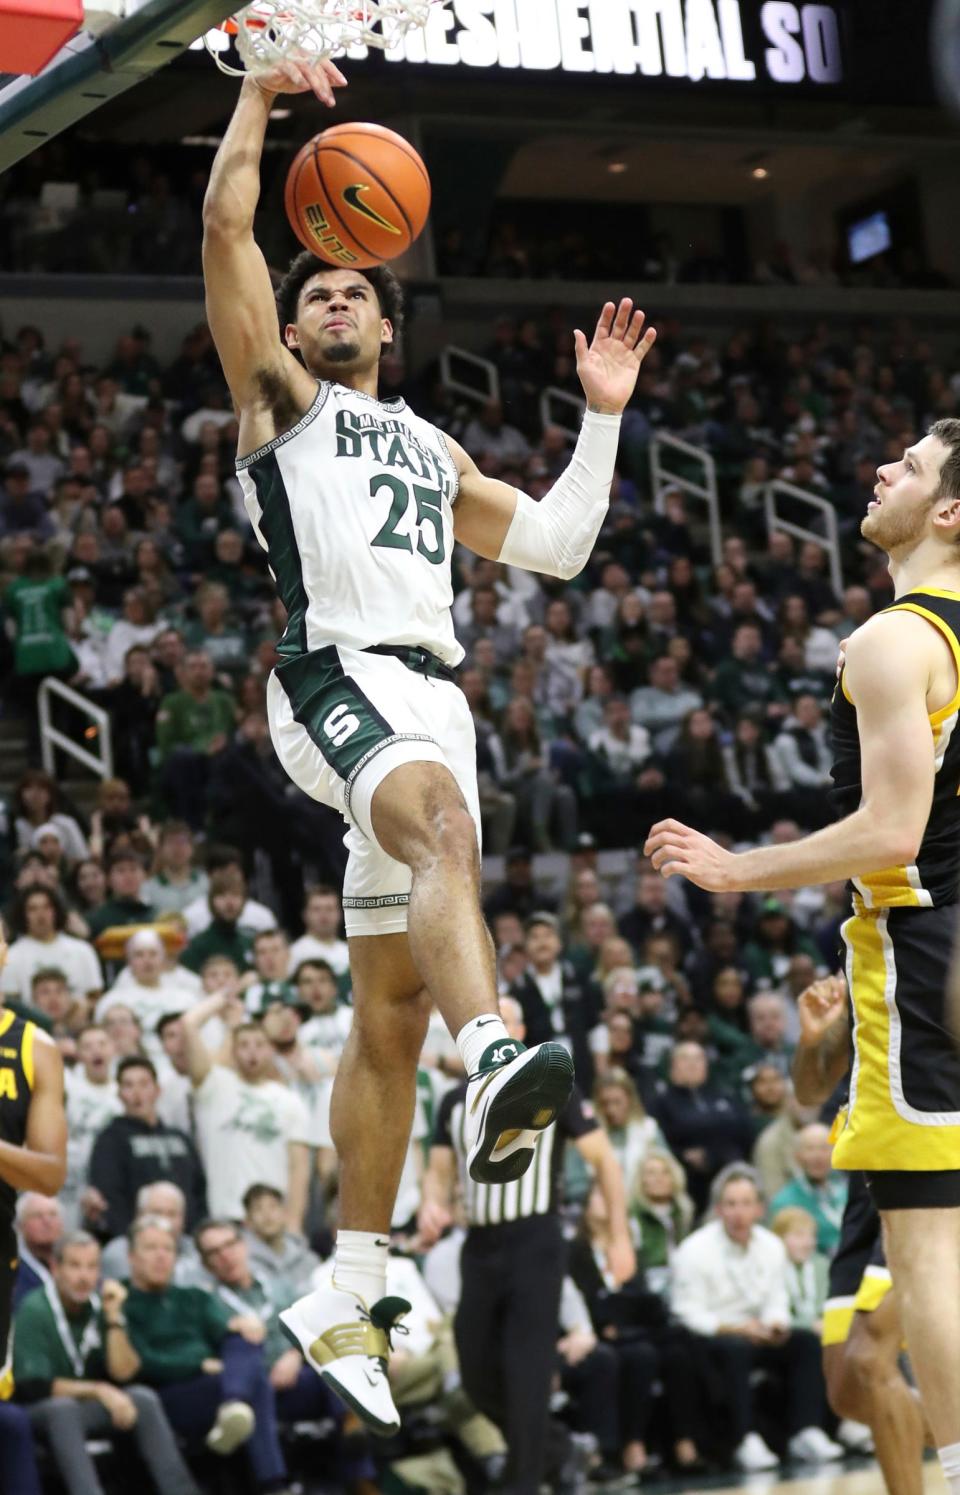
348	1344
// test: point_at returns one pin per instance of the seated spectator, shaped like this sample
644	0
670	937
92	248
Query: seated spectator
704	1129
124	904
148	987
775	940
74	1368
808	1270
192	724
253	915
774	1153
487	435
555	1002
745	681
767	1021
137	1149
322	938
619	747
328	1020
175	882
652	913
218	634
730	1288
65	1014
274	1250
123	1031
40	941
133	704
165	1202
661	1214
88	887
632	1319
250	1127
224	932
815	1187
91	1102
662	705
803	748
546	807
631	1131
40	1226
271	971
36	802
205	1360
769	1090
754	772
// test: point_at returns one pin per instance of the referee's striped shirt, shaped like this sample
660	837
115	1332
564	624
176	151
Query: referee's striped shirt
538	1191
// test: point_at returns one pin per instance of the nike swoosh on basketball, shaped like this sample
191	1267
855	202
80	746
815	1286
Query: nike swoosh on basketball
352	198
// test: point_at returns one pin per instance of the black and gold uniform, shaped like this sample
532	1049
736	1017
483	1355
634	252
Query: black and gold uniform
859	1276
16	1088
903	1115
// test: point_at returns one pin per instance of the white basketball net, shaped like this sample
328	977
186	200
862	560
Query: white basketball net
269	32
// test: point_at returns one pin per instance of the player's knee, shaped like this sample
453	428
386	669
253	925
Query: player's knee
449	835
388	1032
844	1392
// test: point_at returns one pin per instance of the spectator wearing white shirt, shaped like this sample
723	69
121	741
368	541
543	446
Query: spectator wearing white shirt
487	435
175	882
35	803
622	746
803	748
323	918
138	625
91	1102
250	1128
198	915
730	1286
39	920
149	990
271	973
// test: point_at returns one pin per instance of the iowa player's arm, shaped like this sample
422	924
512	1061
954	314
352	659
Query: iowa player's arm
894	663
822	1055
556	536
41	1163
261	371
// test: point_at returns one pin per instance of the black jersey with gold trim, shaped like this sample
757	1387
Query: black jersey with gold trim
16	1087
934	879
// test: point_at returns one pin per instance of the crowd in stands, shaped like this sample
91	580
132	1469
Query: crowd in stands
183	941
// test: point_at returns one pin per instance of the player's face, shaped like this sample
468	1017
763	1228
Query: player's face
903	498
339	327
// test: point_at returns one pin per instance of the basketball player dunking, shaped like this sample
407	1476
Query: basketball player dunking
33	1143
358	503
896	782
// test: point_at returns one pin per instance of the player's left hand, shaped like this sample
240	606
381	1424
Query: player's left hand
609	366
678	851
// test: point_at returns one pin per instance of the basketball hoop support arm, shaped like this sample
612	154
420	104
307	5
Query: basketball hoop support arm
34	110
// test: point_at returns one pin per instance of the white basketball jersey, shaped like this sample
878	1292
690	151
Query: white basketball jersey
354	507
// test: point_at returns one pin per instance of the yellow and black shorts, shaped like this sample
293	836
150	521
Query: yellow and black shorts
8	1271
859	1278
904	1111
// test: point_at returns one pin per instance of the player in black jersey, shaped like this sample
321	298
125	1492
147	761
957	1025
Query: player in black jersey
897	786
33	1142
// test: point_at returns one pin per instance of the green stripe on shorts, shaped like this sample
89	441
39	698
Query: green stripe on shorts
336	714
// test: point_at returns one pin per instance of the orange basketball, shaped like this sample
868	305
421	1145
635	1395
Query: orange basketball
357	195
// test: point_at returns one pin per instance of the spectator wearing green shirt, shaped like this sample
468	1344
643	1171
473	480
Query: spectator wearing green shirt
205	1359
200	519
73	1365
808	1271
224	935
124	905
35	603
192	725
216	632
767	1041
745	679
815	1187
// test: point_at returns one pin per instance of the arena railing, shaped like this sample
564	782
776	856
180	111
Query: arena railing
662	479
51	737
575	405
828	541
448	376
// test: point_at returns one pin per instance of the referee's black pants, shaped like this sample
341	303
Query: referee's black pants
506	1331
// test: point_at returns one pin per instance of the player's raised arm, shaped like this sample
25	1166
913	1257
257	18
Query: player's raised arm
240	305
556	536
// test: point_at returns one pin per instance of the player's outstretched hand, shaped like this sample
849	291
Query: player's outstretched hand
609	366
678	851
819	1007
320	78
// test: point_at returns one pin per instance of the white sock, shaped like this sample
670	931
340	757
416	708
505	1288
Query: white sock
360	1264
950	1464
476	1036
